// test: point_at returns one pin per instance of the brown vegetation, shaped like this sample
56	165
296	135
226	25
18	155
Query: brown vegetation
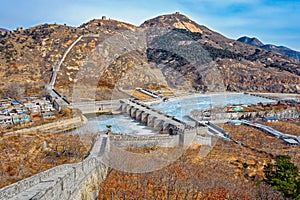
262	142
228	172
25	155
285	127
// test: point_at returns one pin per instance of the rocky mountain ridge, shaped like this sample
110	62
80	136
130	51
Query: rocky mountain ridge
3	30
270	47
199	59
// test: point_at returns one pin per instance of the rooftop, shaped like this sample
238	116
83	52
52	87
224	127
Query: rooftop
291	141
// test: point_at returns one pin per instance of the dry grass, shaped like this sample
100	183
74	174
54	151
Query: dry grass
262	142
285	127
23	155
219	175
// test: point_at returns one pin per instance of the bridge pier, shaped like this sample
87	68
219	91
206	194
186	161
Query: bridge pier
128	110
123	107
151	117
145	118
151	120
167	126
159	124
138	115
133	112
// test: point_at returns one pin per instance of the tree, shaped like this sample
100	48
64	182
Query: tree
283	176
15	90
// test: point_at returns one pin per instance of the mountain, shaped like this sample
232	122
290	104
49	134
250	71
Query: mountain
270	47
169	52
242	67
3	30
252	41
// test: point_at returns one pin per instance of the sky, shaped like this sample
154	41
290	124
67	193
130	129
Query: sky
272	21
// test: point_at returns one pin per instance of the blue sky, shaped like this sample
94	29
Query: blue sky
272	21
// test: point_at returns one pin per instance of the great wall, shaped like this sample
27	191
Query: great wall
67	181
78	181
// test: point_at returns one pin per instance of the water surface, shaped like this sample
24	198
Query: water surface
180	108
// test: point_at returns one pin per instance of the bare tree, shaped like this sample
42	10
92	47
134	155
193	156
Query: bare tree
15	90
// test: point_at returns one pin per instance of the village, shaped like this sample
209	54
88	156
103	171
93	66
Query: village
26	111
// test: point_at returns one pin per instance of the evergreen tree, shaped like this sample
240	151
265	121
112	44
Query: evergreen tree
284	177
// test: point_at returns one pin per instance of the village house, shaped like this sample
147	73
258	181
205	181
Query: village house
48	107
22	111
291	142
4	112
48	115
19	119
32	107
5	120
270	119
5	103
14	112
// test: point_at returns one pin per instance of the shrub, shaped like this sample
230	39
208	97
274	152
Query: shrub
284	177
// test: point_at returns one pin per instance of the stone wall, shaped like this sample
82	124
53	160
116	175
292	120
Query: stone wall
123	141
61	182
80	180
57	126
144	141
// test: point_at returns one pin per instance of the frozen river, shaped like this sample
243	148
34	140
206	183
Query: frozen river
178	107
182	107
119	124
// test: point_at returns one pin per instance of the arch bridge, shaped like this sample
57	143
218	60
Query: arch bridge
152	118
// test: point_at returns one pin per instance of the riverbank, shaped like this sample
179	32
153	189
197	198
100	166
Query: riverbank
195	95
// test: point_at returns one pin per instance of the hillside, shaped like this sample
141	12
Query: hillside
28	56
270	47
243	67
167	52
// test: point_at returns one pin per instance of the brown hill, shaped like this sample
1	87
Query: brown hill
167	52
243	67
28	56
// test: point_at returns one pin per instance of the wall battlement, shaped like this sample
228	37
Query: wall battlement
76	181
61	182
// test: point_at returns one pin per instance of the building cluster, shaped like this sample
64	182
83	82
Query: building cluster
15	112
